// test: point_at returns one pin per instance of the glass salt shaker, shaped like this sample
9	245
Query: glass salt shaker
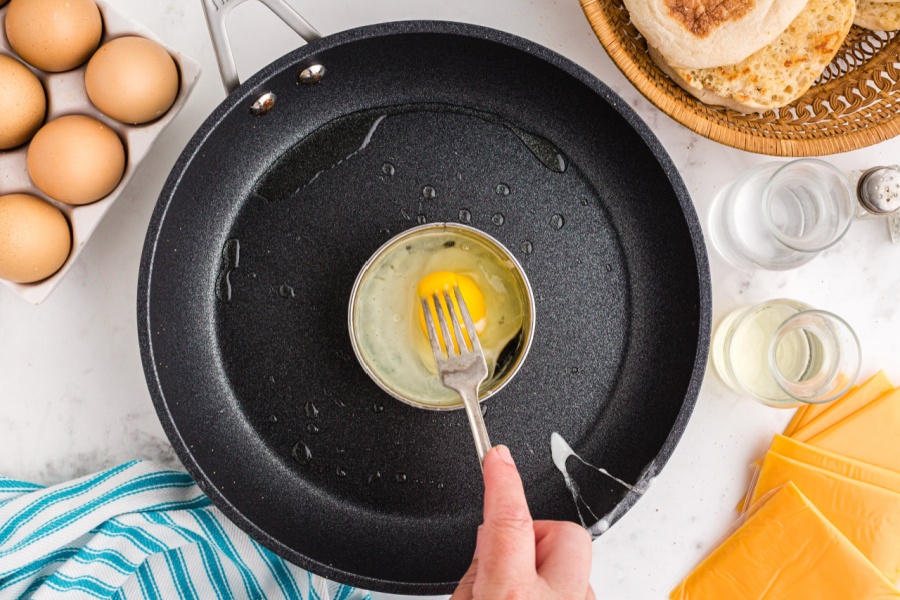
878	193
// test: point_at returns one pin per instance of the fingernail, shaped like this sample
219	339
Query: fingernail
505	456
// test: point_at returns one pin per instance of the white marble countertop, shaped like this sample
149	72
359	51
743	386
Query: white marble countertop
72	394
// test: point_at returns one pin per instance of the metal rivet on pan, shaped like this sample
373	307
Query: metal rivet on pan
312	74
264	104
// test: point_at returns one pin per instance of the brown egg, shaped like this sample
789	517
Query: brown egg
34	238
23	103
132	80
76	159
54	35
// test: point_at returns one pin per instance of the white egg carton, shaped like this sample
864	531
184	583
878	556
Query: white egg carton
66	96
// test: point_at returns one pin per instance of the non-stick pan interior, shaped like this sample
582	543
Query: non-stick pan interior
266	221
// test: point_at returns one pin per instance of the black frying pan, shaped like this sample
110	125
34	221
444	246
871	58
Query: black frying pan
248	358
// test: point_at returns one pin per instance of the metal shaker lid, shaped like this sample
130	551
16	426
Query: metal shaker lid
878	190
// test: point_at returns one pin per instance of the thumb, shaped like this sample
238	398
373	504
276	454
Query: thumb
506	541
466	587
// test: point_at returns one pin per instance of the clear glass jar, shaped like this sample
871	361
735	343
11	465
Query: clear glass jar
780	216
785	353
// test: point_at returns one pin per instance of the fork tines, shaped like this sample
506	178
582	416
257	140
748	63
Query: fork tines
458	345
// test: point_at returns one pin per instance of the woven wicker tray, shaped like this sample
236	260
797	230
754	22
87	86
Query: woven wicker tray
855	103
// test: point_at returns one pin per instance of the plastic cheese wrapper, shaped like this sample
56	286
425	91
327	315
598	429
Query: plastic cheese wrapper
868	515
836	463
785	549
871	434
832	413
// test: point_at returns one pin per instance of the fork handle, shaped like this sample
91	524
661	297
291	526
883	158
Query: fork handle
476	422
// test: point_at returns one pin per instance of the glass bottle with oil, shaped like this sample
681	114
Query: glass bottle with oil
784	353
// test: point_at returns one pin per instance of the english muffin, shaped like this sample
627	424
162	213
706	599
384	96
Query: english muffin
698	34
879	16
780	72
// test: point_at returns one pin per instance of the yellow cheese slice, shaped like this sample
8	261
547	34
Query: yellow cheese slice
871	434
786	550
798	419
811	419
836	463
810	412
841	408
868	515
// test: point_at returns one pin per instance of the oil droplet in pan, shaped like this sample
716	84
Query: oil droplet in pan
543	149
388	169
502	189
231	259
301	453
465	216
311	411
498	219
557	221
527	247
428	192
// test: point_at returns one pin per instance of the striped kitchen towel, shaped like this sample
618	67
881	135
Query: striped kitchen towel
137	531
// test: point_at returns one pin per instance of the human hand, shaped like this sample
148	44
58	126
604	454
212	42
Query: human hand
517	558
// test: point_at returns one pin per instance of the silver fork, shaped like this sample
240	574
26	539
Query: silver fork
462	370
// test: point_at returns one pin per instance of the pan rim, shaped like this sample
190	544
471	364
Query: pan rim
241	96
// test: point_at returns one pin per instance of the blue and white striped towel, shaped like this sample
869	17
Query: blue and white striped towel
137	531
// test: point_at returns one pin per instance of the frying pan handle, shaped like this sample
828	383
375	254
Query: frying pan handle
217	12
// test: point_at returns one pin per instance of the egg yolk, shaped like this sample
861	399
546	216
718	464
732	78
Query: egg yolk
444	281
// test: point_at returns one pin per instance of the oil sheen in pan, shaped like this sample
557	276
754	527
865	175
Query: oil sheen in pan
353	133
